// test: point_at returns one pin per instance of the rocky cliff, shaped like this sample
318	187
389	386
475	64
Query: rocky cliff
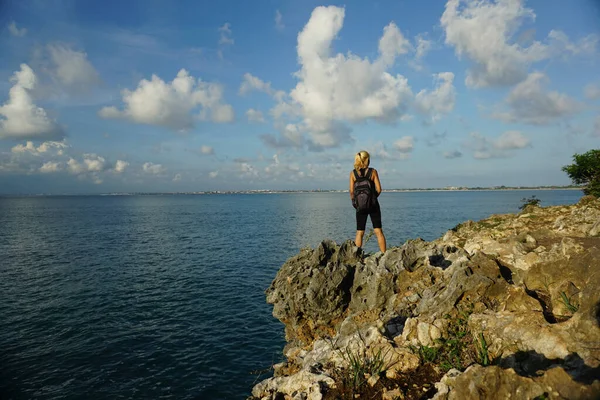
506	307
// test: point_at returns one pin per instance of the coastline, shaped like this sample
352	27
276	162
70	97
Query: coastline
504	307
264	191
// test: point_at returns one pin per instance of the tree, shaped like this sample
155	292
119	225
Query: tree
586	171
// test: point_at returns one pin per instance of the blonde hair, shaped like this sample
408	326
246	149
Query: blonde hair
361	160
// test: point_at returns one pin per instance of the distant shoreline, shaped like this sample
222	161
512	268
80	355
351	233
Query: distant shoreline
218	192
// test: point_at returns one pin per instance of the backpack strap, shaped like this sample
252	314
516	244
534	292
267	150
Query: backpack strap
369	173
355	174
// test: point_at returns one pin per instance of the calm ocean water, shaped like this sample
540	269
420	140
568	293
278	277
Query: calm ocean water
107	297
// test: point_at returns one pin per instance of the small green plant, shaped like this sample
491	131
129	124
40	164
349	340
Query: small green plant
427	354
531	201
454	350
362	365
567	302
451	352
482	351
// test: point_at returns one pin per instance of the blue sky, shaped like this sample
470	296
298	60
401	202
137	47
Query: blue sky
159	96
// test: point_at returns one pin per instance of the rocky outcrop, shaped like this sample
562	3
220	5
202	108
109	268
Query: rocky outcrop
504	307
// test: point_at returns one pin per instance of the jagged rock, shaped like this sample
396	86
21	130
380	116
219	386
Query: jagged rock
303	385
529	282
595	229
494	382
313	289
395	394
373	284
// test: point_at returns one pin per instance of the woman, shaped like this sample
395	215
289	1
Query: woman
361	169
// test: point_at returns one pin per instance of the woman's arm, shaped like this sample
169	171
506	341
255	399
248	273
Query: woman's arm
352	185
376	180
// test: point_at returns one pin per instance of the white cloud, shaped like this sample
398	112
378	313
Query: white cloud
208	150
59	147
20	118
44	148
279	25
380	150
405	144
529	103
278	170
423	46
15	31
247	170
72	68
28	147
252	82
221	113
154	169
213	174
500	147
290	136
561	44
484	31
156	102
176	177
441	100
120	166
50	167
93	162
52	157
75	167
452	154
334	89
511	140
479	144
255	115
392	44
592	91
225	32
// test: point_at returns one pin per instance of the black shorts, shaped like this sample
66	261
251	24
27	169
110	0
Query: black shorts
374	213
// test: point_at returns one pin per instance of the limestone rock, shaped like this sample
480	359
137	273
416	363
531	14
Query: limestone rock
303	385
494	382
527	285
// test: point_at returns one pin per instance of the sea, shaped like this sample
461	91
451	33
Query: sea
162	296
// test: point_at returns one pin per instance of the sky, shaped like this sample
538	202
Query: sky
161	96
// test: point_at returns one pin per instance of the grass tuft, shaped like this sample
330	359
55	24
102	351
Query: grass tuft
361	366
572	307
482	351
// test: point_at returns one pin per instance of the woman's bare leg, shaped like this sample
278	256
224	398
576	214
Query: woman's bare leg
380	239
359	238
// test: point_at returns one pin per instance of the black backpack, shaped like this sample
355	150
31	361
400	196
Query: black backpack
364	191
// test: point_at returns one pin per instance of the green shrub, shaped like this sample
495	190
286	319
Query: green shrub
532	201
586	171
